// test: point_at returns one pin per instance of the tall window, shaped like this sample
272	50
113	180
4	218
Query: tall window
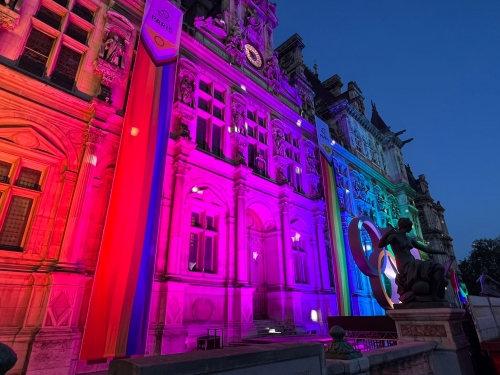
202	242
300	260
212	109
20	188
50	55
257	144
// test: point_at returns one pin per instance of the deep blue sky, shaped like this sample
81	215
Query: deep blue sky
433	68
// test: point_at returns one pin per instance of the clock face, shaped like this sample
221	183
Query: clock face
253	56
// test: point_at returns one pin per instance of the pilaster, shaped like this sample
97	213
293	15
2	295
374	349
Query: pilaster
75	234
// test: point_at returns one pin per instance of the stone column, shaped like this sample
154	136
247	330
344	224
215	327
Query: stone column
231	272
287	240
75	235
319	216
241	253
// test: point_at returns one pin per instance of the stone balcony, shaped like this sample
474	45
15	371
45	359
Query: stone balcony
9	14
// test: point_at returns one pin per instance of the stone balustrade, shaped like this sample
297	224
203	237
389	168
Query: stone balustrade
406	359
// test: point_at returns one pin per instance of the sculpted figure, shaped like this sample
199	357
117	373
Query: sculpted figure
113	50
422	280
488	287
279	142
236	39
272	69
239	119
186	90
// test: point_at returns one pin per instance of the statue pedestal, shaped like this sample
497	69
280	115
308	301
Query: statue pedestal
440	325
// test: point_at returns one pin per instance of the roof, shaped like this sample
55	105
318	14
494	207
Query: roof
377	120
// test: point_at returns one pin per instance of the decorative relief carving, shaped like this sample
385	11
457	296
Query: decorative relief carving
180	167
8	18
185	90
203	309
273	73
93	135
235	43
215	26
240	145
427	330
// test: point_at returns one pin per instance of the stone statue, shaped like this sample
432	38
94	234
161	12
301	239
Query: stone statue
186	90
279	142
417	279
488	289
272	69
236	42
238	120
113	50
215	26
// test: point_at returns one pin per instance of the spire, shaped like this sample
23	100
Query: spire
315	67
377	120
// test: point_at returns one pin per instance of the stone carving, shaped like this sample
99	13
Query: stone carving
279	142
8	358
427	330
93	135
185	91
110	73
418	280
393	202
236	40
238	118
311	161
360	187
273	72
113	50
488	287
8	18
254	25
215	26
281	177
339	348
240	145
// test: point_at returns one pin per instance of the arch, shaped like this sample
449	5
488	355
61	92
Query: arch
300	225
47	131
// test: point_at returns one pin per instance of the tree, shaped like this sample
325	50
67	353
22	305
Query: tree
485	253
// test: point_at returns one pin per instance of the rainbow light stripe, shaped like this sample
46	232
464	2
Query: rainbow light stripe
335	226
121	295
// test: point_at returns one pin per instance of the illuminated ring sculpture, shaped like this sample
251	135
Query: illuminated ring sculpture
455	283
379	263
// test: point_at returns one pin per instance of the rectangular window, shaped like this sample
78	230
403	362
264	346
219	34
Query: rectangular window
251	155
201	132
77	33
204	87
219	96
210	222
195	219
203	104
250	115
208	256
49	17
297	267
4	171
83	12
216	138
36	53
66	68
298	180
193	251
261	122
305	273
250	132
330	266
218	113
262	137
16	220
29	178
63	3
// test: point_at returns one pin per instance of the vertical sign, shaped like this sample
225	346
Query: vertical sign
118	314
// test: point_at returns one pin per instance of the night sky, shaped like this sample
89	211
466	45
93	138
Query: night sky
432	68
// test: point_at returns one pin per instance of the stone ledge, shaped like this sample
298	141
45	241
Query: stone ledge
215	361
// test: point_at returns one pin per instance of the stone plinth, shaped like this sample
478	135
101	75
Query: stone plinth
271	359
442	326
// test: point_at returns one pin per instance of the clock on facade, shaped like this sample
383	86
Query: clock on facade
253	56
